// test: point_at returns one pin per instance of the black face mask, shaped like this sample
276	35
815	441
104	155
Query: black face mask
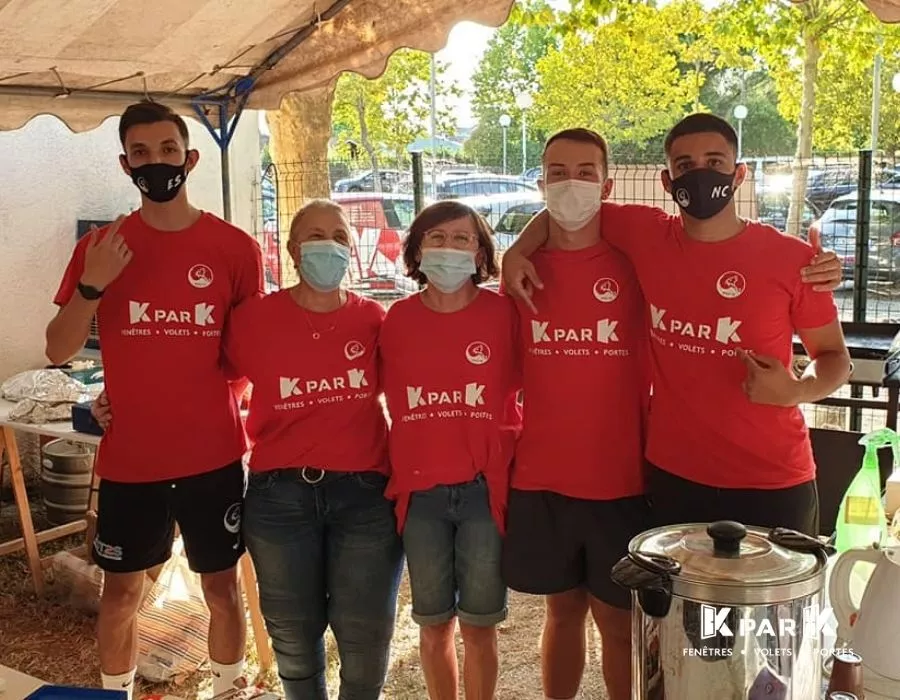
159	182
703	193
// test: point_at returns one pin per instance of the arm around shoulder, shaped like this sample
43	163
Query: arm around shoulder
830	366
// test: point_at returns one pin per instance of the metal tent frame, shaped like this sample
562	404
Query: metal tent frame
219	110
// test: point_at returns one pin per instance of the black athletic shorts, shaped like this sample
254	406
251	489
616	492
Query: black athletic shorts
136	522
675	500
556	543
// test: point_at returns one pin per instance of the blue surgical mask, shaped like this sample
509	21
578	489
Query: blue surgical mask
323	264
447	269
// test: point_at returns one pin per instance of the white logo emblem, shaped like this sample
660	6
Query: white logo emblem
682	197
478	353
142	185
107	551
233	518
137	311
354	350
713	621
357	378
606	290
471	395
731	284
605	333
203	314
721	192
287	387
200	276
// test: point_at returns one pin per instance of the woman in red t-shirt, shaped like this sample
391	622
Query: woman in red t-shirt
450	374
320	531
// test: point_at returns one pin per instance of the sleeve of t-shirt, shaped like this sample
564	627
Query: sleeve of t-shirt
238	330
628	227
72	275
250	280
515	347
385	343
811	309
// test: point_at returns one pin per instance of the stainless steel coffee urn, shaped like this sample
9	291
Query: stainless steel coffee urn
725	612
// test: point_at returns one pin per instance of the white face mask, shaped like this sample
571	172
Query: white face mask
572	203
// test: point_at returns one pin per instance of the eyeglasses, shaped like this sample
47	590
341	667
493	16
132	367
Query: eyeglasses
457	239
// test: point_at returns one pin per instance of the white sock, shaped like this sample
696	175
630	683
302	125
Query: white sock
123	681
224	675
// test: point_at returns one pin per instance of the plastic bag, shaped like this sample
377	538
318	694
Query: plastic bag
81	581
173	623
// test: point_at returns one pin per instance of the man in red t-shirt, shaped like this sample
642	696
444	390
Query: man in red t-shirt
161	283
577	481
726	437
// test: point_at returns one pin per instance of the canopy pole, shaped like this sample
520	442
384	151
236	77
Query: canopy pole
225	161
224	132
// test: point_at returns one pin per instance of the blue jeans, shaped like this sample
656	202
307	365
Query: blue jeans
453	551
326	553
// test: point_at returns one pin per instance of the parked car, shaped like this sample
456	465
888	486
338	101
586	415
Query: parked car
365	182
837	228
513	222
775	206
473	185
825	185
381	222
532	175
493	206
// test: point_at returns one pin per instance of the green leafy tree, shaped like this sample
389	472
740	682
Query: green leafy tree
765	131
842	118
635	71
797	40
507	69
383	116
621	78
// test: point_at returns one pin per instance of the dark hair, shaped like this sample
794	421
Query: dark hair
701	123
440	213
147	112
581	136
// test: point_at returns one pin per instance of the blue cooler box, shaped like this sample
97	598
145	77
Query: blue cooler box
63	692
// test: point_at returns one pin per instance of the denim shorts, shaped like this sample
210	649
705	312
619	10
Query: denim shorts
453	551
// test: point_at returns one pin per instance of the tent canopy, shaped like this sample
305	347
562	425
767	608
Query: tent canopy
886	10
85	60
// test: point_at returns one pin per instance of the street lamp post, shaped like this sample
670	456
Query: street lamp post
524	102
505	121
740	113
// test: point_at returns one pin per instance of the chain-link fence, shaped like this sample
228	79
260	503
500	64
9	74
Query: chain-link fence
381	205
851	200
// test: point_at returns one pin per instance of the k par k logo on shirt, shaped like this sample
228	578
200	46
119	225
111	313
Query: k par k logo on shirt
289	387
142	312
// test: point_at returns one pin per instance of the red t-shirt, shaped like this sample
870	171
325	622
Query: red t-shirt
314	401
586	377
706	300
160	326
451	382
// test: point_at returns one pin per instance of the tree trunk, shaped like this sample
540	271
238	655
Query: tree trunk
364	137
811	53
300	131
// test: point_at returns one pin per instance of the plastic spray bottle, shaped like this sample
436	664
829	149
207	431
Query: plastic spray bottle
861	521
